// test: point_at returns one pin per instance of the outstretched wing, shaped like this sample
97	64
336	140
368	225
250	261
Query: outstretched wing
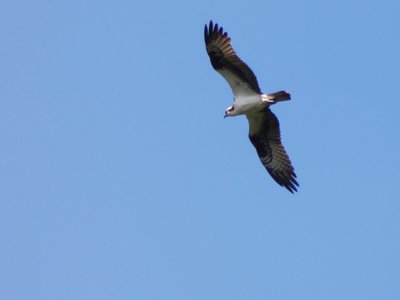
224	60
265	135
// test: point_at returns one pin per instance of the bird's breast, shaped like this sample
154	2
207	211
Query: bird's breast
248	104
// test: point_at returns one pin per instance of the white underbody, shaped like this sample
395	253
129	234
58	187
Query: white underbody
245	104
246	99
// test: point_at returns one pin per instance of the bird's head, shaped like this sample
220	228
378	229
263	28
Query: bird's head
229	111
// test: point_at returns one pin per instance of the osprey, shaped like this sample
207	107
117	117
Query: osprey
264	132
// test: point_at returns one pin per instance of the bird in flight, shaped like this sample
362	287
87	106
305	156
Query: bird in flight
264	132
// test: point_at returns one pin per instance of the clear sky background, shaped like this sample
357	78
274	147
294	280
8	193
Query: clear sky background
120	179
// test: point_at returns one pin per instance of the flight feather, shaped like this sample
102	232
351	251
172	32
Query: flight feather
225	60
265	136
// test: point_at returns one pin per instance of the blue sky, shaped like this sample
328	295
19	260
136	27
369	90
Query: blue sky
121	180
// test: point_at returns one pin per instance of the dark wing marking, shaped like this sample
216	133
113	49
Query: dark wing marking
266	137
224	59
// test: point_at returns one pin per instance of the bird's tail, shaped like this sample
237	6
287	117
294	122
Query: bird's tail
278	96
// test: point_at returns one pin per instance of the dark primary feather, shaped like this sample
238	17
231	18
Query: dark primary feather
266	137
222	56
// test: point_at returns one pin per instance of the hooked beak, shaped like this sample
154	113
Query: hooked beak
228	111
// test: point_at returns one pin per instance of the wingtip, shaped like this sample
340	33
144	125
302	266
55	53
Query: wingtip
294	184
208	30
211	26
213	31
291	185
288	181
